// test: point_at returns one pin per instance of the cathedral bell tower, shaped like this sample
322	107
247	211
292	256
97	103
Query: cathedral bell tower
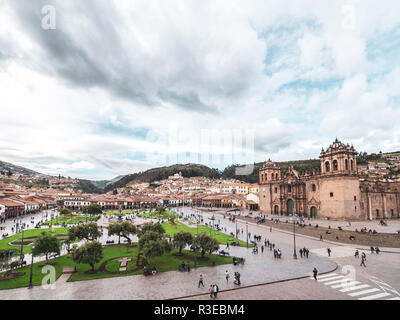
269	172
338	159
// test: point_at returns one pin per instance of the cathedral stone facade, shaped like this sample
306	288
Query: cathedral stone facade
335	191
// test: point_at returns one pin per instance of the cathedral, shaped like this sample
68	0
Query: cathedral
335	191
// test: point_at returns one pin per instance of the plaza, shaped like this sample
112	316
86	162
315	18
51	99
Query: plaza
262	276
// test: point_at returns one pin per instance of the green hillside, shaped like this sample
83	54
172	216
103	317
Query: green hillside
155	174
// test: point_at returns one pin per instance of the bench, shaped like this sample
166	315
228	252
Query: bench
223	253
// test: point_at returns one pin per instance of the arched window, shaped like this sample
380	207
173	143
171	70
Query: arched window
276	176
313	187
335	166
289	188
272	176
346	164
327	166
351	164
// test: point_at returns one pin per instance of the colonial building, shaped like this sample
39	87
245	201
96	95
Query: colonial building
334	191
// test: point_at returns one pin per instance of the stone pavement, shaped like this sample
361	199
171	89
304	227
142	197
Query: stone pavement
258	268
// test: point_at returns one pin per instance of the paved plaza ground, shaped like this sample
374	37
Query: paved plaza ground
261	276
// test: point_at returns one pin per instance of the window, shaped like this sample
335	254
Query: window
355	198
331	194
351	164
377	213
289	188
327	166
346	164
276	190
313	187
392	211
335	165
276	176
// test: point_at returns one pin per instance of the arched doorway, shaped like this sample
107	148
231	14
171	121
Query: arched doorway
313	212
276	210
290	206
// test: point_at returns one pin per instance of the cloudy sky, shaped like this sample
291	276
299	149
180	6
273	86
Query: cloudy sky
95	89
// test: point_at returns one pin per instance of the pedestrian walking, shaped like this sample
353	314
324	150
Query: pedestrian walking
362	262
320	237
329	252
215	290
201	281
227	276
301	253
315	272
262	249
211	291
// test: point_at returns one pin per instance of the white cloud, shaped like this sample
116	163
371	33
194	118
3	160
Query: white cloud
83	97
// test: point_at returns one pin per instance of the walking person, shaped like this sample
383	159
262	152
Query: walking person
226	276
262	249
315	272
201	281
301	253
363	261
329	252
215	290
211	291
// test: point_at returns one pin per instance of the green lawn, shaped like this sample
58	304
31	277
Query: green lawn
222	238
70	220
116	212
167	262
154	215
4	243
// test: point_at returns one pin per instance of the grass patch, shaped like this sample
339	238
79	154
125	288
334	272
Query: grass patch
222	238
28	234
67	220
168	262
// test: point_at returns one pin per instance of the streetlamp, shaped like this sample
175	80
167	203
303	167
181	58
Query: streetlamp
236	227
30	286
22	244
247	235
294	238
195	249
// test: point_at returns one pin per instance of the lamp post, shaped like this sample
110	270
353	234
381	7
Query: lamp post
195	249
294	238
247	235
22	244
30	286
236	227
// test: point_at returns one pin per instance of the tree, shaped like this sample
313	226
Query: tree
90	253
155	248
5	260
161	213
122	229
181	239
89	232
205	243
156	227
46	244
92	209
152	240
65	212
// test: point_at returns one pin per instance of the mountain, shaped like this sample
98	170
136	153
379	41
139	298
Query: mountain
12	168
155	174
